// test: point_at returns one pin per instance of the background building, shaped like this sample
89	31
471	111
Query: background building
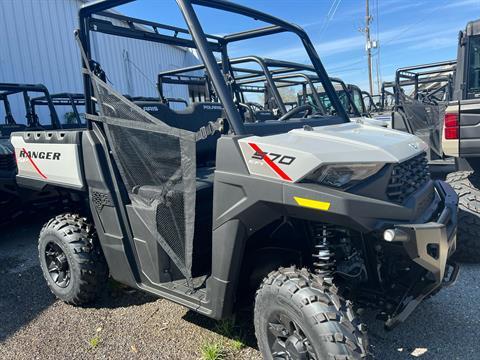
37	45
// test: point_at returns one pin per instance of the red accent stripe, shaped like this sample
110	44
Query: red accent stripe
33	164
269	161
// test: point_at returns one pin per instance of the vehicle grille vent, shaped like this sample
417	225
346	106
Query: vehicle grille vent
7	162
407	177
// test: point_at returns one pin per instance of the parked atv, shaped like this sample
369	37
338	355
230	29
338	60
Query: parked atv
304	217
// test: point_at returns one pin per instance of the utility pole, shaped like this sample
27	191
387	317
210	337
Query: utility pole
369	46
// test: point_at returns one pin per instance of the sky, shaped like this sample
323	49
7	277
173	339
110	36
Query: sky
408	32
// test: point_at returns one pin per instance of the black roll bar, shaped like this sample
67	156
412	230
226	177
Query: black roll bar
7	89
204	43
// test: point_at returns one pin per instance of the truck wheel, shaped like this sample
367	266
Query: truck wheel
299	316
466	184
72	260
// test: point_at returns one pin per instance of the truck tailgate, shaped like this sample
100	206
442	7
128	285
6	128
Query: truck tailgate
469	119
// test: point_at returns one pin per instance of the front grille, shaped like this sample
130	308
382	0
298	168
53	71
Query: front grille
7	162
407	177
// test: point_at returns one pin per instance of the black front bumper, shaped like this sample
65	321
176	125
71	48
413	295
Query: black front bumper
430	245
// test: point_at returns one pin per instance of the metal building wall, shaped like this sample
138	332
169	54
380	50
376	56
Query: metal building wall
37	46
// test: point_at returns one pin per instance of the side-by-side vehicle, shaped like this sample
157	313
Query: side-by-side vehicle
306	218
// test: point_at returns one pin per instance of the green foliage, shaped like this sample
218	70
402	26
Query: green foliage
213	351
237	343
94	342
228	329
70	118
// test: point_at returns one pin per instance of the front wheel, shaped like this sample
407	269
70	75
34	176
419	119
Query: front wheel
71	259
299	316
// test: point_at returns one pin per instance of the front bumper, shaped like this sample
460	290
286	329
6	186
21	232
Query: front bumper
430	245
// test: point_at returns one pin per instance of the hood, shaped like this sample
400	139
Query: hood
300	151
371	121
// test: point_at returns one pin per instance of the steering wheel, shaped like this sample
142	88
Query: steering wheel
255	105
290	114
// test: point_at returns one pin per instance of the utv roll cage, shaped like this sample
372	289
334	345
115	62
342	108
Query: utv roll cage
249	76
284	74
195	37
372	107
439	75
312	80
62	99
9	89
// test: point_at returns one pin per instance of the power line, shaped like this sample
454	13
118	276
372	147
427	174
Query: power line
411	26
330	14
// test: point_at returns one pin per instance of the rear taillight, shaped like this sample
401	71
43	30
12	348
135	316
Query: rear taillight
451	126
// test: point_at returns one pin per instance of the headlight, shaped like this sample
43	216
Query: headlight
343	175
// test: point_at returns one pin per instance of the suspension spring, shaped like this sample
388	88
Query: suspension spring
323	256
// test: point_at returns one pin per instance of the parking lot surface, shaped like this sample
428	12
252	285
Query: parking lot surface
128	324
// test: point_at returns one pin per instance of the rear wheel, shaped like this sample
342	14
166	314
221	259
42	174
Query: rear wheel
71	259
299	316
466	184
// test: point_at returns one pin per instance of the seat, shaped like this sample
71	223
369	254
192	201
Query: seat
192	119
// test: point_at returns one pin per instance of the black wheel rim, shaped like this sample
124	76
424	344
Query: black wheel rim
57	265
287	340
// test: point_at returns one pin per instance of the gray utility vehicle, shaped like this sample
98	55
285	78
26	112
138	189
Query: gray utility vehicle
447	117
13	200
295	216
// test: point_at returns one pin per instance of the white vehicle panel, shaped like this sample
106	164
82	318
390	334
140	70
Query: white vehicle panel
54	163
345	143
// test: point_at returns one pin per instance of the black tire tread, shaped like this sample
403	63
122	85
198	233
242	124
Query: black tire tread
329	308
80	237
468	233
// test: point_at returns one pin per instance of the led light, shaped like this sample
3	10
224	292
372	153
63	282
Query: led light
397	235
389	235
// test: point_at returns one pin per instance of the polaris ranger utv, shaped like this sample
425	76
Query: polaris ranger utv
12	198
196	206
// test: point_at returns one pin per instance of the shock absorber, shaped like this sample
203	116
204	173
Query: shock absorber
323	255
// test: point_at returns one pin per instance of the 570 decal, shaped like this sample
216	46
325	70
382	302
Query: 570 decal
271	159
281	159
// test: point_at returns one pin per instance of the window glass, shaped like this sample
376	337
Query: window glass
327	104
474	64
357	100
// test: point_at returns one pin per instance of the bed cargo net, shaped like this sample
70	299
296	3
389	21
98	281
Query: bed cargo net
157	165
426	122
